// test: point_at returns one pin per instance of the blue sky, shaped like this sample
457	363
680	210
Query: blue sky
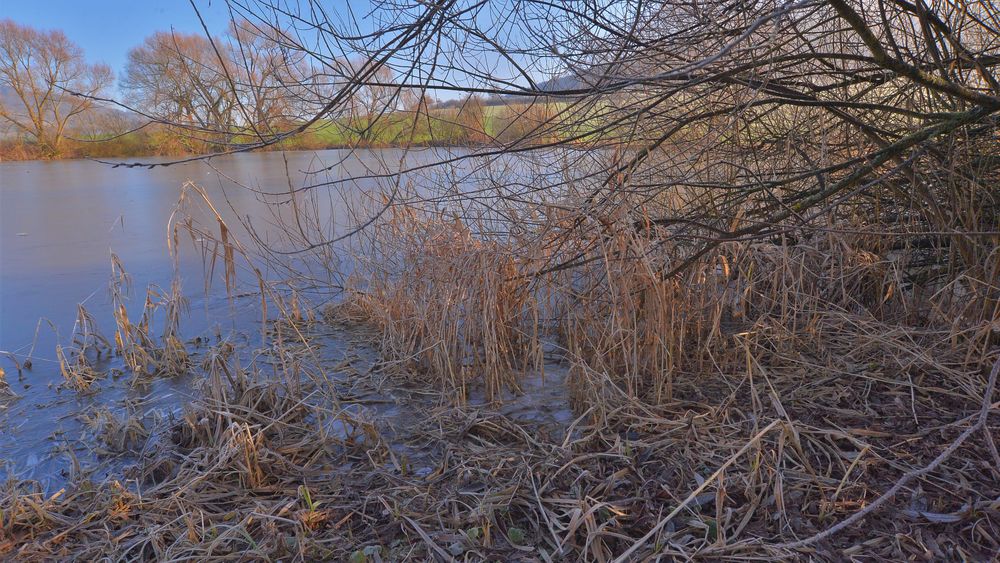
107	29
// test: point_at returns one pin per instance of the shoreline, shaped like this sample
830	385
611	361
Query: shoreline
415	146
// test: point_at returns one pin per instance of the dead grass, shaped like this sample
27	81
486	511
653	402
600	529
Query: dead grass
449	305
775	389
829	397
732	467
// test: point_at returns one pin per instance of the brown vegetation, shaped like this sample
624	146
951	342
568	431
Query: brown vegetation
772	300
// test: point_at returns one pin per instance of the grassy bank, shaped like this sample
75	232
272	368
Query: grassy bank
495	124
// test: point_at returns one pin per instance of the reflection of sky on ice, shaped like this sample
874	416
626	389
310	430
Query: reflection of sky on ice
61	221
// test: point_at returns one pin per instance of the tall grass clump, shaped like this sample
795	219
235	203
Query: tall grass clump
136	342
447	303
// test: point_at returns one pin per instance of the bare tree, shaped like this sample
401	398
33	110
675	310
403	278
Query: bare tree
416	101
101	123
269	76
724	124
50	79
374	98
472	119
180	79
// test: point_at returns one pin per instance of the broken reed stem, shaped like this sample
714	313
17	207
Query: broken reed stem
909	476
711	479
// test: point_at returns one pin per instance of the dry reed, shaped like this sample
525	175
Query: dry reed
738	410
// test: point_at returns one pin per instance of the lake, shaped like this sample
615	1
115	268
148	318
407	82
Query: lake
60	221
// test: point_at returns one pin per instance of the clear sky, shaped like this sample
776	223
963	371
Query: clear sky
107	29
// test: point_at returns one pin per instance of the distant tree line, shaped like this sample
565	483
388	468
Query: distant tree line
196	93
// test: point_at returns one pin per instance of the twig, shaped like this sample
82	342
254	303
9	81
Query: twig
427	539
656	529
857	516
